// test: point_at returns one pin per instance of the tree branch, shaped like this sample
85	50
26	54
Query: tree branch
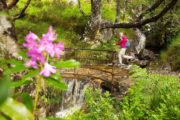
151	8
80	8
12	4
142	22
21	13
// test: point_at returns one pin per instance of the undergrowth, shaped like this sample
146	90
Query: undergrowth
172	54
152	97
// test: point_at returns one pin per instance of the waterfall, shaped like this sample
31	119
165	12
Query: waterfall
73	98
141	41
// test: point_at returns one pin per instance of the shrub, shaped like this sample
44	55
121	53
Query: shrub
152	97
173	54
98	107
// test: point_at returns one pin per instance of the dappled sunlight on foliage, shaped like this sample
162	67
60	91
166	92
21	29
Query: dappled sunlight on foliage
37	84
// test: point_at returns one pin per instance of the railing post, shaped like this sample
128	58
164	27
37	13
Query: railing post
113	64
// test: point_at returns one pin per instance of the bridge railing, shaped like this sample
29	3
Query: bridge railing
91	56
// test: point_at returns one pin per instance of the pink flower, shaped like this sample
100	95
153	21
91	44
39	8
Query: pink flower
48	69
31	63
45	45
36	55
39	51
30	40
58	48
50	35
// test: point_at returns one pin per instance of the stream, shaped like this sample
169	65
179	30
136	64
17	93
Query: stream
73	98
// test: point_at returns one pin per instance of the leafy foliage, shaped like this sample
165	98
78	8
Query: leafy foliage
172	55
15	110
4	88
152	97
99	107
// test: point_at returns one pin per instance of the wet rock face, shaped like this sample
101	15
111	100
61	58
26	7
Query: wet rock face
8	45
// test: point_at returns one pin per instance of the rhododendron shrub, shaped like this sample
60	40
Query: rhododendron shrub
44	59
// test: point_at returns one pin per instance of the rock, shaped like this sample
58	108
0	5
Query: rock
148	55
8	45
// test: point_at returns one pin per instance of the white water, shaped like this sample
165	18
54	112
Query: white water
69	111
142	41
73	98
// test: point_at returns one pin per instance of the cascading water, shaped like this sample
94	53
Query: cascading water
141	40
73	98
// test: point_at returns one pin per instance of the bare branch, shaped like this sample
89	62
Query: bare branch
80	8
151	8
142	22
21	13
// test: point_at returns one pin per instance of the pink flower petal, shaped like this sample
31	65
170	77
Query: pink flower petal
30	40
58	48
31	63
48	70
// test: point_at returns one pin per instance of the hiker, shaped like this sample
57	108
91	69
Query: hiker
124	44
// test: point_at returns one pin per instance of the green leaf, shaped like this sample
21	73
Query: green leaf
31	74
24	80
4	88
2	118
17	66
68	64
19	83
15	110
56	76
3	13
23	54
26	100
56	83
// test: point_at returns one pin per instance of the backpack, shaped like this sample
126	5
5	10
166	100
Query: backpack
128	44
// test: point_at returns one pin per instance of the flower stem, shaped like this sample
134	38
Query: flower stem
38	85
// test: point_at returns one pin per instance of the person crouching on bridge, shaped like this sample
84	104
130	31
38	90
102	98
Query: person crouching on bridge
124	44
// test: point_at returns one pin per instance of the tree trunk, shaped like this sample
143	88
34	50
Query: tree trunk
117	11
8	45
95	21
